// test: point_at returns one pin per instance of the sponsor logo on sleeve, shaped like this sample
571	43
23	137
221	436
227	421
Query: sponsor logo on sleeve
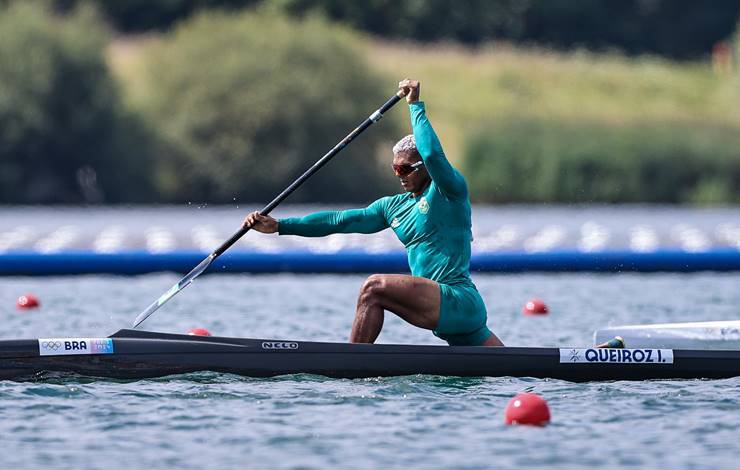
73	346
619	356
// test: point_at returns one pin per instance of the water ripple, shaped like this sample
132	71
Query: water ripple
306	421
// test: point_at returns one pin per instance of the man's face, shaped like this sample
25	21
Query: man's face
414	181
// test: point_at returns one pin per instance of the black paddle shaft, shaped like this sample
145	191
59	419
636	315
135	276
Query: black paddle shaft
374	117
203	265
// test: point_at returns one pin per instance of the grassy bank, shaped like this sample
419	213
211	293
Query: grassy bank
577	126
465	87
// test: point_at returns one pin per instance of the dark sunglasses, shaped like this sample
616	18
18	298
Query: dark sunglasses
403	170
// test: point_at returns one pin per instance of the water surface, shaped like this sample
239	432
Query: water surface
224	421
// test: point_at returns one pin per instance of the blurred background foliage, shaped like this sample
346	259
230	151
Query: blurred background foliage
61	114
217	100
246	101
673	28
543	161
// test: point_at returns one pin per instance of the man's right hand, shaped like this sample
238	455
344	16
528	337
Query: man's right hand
261	223
411	89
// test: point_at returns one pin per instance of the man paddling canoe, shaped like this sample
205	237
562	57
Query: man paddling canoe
433	221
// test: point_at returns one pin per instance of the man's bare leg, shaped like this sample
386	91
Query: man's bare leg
415	299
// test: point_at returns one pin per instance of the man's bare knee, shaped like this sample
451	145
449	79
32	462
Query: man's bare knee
373	288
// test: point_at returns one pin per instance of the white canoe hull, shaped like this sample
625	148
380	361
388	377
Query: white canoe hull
695	335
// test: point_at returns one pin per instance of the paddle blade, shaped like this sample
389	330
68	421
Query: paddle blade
184	282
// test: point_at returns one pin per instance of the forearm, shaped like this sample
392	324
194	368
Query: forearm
325	223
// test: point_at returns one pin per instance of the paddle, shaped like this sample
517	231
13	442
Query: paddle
198	270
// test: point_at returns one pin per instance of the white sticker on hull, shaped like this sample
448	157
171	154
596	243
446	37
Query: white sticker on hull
619	356
70	346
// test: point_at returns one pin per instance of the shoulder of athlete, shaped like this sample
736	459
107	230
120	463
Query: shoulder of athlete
463	199
390	202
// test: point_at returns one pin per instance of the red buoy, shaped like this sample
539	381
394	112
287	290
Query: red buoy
527	408
535	307
199	332
27	301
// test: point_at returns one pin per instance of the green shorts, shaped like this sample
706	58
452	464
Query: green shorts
462	316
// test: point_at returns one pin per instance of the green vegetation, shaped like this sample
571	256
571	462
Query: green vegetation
64	132
676	29
236	104
671	28
245	103
527	125
535	160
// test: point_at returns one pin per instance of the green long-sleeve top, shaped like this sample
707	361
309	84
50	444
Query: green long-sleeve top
434	227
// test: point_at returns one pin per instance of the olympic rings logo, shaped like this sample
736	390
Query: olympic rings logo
52	345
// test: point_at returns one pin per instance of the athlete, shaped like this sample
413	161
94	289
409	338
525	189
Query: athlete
432	220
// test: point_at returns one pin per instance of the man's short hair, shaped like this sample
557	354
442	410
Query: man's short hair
406	145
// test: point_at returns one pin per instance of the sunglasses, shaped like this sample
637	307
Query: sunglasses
403	170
